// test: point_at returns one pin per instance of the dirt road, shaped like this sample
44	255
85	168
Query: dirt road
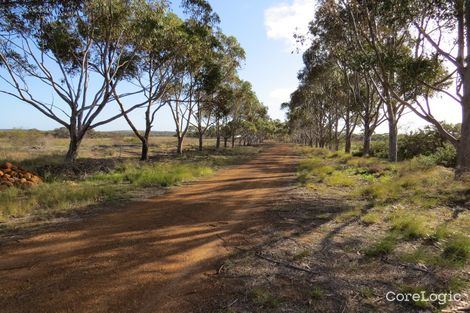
152	256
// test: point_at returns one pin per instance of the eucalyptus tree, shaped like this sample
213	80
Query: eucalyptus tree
333	53
441	32
186	87
244	105
256	127
310	112
159	46
209	78
401	75
218	82
222	100
78	51
220	66
371	106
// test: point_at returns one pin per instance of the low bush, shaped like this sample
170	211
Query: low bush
425	144
379	149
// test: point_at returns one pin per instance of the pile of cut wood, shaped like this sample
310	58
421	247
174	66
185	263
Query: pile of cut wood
15	176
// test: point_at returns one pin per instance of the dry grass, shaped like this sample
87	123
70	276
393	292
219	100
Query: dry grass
31	148
414	201
107	169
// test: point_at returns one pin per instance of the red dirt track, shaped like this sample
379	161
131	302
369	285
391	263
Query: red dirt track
151	256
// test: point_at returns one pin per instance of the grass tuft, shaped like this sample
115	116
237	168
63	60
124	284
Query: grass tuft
410	226
264	298
317	293
383	247
371	218
340	179
457	249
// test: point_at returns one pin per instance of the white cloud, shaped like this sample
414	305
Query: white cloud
281	94
275	98
284	20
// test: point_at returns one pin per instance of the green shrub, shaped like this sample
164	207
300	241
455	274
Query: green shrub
379	149
166	175
442	232
313	167
421	142
446	156
420	303
310	164
457	284
425	142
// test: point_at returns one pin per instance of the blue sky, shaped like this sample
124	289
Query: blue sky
265	30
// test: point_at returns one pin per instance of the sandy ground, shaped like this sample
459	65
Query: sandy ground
152	256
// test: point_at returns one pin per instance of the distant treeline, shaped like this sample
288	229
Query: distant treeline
63	133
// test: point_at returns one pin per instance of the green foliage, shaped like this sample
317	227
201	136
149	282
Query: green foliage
165	175
412	184
446	156
379	149
455	252
26	137
367	292
421	255
313	168
457	284
426	145
422	142
348	214
442	232
317	294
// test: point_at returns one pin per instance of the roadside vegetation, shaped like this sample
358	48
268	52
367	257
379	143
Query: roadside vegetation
419	212
100	178
355	229
415	200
